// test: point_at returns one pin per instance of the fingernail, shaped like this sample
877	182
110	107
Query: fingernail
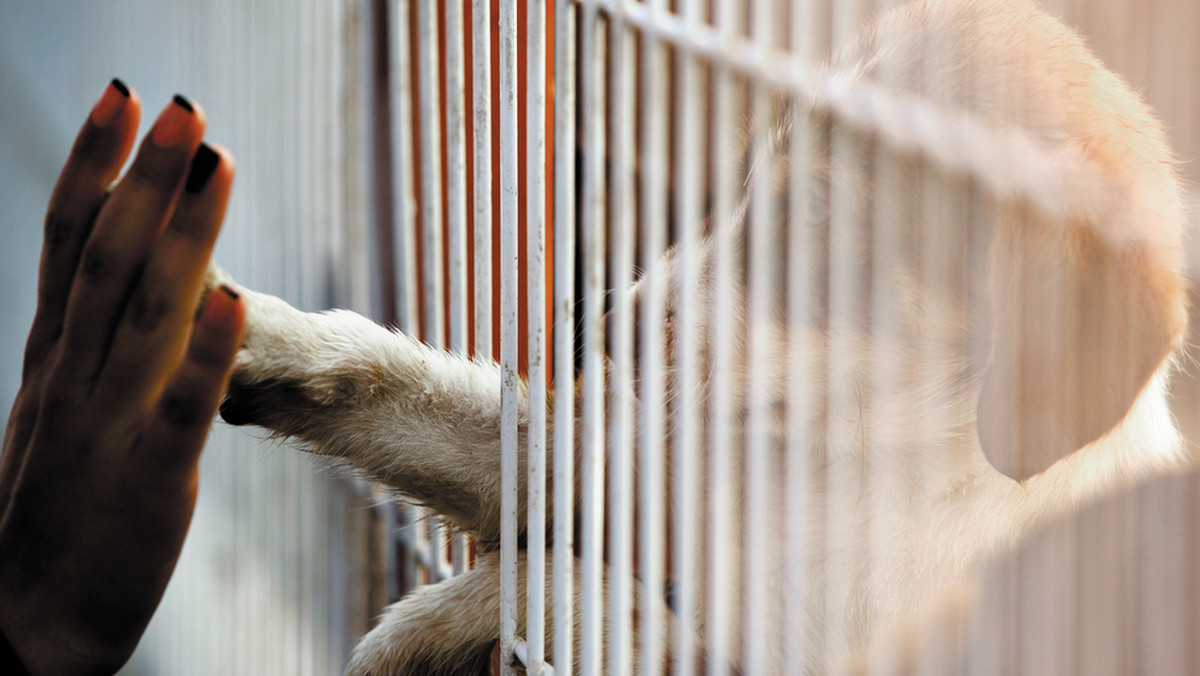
204	164
111	103
171	123
219	305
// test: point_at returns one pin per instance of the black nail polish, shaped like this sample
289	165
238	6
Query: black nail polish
120	87
204	164
184	103
229	292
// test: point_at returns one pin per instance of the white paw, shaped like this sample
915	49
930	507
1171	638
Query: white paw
447	628
282	360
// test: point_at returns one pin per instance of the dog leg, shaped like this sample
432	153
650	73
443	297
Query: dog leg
424	421
441	629
447	628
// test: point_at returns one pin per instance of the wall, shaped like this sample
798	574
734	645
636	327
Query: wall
273	576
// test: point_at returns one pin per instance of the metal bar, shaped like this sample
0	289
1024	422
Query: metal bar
431	172
564	332
762	273
723	565
651	430
535	234
404	211
432	324
891	213
481	57
592	440
687	446
456	176
523	652
847	314
509	335
801	264
1057	179
456	200
620	384
404	204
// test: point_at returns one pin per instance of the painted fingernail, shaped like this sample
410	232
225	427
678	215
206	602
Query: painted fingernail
171	123
111	103
204	164
219	305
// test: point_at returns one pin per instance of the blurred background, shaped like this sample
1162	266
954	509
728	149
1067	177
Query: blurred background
280	572
273	577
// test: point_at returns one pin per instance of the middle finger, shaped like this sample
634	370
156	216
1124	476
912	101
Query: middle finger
125	230
149	339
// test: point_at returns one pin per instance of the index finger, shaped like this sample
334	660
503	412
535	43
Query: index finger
100	150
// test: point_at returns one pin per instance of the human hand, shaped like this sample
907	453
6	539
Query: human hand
121	380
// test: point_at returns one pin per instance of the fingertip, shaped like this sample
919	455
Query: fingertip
228	164
181	122
219	331
226	169
116	98
211	164
110	104
108	134
224	308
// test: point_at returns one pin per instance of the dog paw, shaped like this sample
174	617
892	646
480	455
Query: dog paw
281	368
448	628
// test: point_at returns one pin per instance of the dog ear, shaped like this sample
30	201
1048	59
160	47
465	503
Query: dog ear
1080	324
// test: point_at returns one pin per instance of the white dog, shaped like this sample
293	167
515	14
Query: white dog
1027	361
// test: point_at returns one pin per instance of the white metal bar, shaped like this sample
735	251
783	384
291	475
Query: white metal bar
428	59
535	234
848	298
404	195
456	176
306	566
942	221
1057	179
892	212
404	211
801	262
620	384
689	162
762	276
762	273
481	56
523	652
651	430
592	439
564	333
723	539
456	200
433	332
509	390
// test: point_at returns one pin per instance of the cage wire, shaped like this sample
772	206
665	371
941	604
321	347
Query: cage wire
760	279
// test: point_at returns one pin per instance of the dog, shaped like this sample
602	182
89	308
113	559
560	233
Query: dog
1010	363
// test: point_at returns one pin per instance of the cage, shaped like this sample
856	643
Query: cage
755	189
